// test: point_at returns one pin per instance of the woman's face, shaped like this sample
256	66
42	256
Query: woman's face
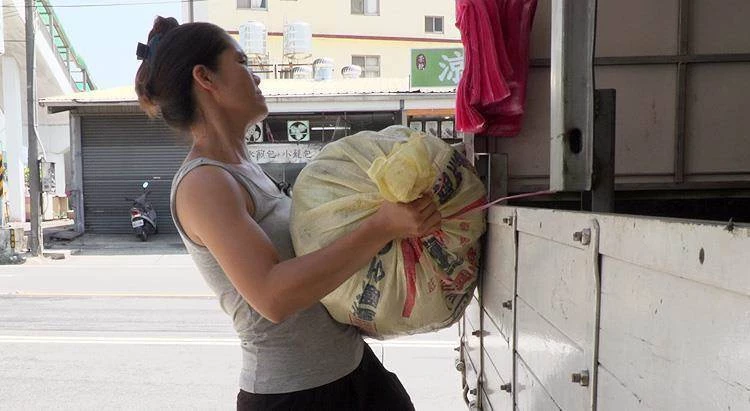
239	92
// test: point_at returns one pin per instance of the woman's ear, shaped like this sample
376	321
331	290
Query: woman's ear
203	77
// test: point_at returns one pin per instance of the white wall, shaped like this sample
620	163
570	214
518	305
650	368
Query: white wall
392	34
48	198
55	152
2	146
54	134
52	79
397	18
13	137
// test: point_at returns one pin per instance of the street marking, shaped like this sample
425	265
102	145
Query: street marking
19	339
118	340
58	265
413	344
106	294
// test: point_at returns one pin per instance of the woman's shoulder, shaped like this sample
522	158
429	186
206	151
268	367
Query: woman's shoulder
210	181
209	191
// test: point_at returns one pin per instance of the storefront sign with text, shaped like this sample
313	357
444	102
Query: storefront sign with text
283	153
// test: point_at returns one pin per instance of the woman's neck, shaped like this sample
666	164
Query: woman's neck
220	141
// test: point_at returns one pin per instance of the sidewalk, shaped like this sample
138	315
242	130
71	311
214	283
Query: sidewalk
116	244
61	240
47	226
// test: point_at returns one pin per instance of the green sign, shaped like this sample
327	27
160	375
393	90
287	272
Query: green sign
436	67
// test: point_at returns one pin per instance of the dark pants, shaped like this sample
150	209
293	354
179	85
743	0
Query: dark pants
369	387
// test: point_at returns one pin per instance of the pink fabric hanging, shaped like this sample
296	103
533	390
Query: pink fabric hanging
492	91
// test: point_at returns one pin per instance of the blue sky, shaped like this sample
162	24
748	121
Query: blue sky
106	36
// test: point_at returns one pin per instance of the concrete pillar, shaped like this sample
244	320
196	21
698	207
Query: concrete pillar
76	173
2	148
13	103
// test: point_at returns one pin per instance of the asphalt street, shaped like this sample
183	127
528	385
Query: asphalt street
131	327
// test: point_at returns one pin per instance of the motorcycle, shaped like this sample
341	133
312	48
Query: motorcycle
143	215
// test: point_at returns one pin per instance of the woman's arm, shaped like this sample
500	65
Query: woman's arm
212	208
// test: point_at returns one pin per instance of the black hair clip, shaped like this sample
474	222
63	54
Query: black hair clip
146	51
141	51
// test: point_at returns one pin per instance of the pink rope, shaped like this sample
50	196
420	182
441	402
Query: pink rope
500	200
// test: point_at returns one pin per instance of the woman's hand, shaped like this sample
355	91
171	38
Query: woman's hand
415	219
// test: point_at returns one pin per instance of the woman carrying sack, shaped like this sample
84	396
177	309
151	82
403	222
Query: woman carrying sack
234	222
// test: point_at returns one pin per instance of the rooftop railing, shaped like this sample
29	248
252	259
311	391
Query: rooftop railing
73	63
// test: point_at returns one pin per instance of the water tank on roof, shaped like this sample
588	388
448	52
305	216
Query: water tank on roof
297	40
302	72
254	38
323	68
351	71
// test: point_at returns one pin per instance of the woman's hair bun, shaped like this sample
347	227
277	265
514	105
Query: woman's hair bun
162	25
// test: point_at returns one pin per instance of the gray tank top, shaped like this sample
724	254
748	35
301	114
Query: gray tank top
307	350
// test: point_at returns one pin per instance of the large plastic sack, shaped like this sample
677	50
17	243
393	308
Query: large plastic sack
413	285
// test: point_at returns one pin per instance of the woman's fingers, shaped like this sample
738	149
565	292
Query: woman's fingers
427	211
418	217
424	202
431	224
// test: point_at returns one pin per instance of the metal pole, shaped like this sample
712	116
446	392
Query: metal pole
191	15
36	241
601	198
683	31
402	112
573	30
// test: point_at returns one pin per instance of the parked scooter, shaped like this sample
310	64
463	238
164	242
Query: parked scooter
143	215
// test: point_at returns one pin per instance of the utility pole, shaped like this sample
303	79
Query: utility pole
36	240
191	16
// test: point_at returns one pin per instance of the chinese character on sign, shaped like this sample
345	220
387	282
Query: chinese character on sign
452	67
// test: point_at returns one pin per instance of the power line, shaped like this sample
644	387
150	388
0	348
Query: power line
145	3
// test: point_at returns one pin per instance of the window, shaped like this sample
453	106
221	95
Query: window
252	4
433	24
366	7
370	65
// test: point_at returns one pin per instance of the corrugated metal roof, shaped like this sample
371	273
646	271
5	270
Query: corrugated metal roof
270	88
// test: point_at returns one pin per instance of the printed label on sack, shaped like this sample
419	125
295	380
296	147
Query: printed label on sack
445	261
449	181
366	303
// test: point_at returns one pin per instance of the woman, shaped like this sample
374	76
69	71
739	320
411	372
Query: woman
235	223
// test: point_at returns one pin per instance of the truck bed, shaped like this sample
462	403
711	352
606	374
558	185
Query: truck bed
656	312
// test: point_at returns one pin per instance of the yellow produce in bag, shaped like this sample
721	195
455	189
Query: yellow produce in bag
413	285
